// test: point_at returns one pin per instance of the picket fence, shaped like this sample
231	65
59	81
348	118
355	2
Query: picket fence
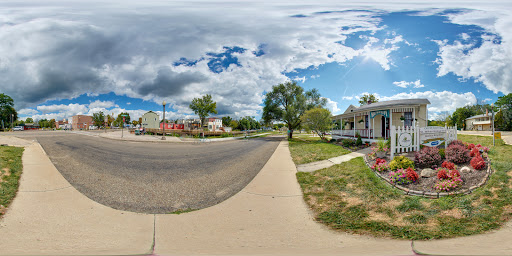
407	139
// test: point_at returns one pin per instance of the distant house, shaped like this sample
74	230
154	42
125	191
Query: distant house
81	122
479	123
191	124
172	126
31	126
63	124
150	120
374	120
214	123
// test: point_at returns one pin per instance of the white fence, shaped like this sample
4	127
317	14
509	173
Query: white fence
409	139
404	139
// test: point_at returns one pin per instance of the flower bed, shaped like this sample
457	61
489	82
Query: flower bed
437	175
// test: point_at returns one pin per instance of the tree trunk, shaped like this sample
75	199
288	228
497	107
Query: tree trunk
290	134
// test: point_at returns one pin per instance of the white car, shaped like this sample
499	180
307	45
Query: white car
18	128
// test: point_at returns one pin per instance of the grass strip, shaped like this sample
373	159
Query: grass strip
349	197
10	172
311	149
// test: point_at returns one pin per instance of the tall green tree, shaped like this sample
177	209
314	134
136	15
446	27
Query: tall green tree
368	98
318	120
226	121
287	102
29	120
244	124
203	107
98	119
119	119
7	111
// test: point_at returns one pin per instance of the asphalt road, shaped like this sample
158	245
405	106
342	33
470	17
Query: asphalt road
156	177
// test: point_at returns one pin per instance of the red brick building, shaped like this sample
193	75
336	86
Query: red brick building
81	122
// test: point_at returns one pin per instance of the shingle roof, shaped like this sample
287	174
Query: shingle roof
477	116
386	104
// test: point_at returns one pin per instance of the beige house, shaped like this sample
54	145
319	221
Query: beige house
479	122
374	120
150	120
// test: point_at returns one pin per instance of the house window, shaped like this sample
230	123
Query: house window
408	119
366	122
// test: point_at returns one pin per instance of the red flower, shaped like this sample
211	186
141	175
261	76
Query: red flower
442	174
477	162
474	152
448	165
412	175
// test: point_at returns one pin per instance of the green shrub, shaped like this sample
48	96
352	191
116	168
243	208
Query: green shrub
401	162
441	152
348	143
225	135
359	141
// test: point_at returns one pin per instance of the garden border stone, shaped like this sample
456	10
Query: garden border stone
430	194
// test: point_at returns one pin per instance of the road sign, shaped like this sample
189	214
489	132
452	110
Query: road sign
497	135
124	115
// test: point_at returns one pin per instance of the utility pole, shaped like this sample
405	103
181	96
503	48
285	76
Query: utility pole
492	120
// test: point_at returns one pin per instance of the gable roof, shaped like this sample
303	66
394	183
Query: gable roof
478	116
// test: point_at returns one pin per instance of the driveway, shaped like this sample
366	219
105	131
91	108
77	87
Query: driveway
155	177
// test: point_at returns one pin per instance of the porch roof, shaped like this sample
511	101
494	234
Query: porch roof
383	105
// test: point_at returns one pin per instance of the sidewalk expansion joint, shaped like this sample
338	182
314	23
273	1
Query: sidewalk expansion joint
153	244
258	194
49	190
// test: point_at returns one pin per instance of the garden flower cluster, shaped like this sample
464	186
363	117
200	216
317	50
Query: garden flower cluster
380	165
449	179
403	176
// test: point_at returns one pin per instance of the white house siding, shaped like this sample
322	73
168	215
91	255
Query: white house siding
151	120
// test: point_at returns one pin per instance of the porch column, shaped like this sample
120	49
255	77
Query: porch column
369	126
390	121
354	125
414	117
373	126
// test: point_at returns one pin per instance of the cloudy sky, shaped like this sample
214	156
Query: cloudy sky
61	58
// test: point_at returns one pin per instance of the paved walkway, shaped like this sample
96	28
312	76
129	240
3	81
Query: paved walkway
311	167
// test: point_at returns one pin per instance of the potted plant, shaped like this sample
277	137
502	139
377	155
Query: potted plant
382	148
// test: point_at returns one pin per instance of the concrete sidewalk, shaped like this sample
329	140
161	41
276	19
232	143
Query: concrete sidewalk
269	216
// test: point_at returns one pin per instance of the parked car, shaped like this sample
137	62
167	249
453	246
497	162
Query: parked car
18	128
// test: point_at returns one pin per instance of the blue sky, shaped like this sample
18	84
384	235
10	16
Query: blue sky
71	57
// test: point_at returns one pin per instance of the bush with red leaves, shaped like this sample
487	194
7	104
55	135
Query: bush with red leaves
442	174
427	157
457	154
474	152
448	165
471	146
412	175
477	162
454	173
457	142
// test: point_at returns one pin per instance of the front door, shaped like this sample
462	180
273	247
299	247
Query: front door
383	127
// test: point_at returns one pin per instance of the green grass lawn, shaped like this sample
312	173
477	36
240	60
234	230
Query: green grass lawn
349	197
10	172
306	149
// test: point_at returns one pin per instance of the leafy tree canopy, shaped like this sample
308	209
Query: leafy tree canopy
29	120
318	120
7	111
368	98
287	102
98	119
203	107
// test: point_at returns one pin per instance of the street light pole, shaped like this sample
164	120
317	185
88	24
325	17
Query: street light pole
163	121
12	117
492	120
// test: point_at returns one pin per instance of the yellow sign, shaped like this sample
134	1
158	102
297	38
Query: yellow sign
497	135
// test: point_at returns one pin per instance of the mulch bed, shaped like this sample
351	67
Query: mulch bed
470	179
